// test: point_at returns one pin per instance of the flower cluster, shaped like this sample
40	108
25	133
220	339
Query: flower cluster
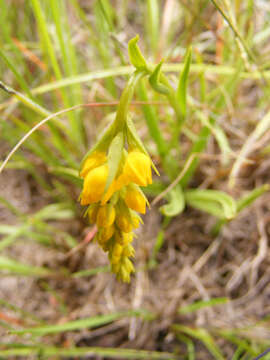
114	208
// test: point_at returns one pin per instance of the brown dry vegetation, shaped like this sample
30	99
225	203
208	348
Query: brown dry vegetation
191	265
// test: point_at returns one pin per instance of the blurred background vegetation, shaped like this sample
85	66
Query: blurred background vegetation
201	287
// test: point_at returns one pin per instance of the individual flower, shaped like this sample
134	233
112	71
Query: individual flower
94	160
94	185
135	200
137	168
105	216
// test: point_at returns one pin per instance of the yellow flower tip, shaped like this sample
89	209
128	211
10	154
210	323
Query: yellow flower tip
123	275
94	185
129	251
136	221
96	159
128	266
135	200
137	168
105	216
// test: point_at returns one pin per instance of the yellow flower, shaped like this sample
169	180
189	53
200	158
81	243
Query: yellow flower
105	216
137	168
94	185
135	200
96	159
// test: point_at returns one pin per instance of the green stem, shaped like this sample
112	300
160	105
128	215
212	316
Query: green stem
125	99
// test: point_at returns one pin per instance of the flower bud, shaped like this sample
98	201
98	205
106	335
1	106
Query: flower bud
116	253
104	234
105	216
124	223
123	238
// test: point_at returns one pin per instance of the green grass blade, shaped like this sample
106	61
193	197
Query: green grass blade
181	93
14	267
87	323
152	24
85	352
197	305
204	337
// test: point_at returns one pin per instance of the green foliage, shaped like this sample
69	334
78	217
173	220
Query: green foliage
189	100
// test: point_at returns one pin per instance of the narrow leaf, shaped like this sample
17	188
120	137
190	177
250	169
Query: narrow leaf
135	55
155	83
182	85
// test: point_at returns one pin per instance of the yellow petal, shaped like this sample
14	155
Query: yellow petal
94	185
135	200
96	159
137	168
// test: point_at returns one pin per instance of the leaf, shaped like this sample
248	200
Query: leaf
176	202
204	337
13	266
181	93
114	157
155	83
214	202
67	173
87	323
136	57
219	134
197	305
248	199
82	352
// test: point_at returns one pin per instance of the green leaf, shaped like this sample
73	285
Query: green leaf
219	134
155	83
181	93
12	266
197	305
136	57
49	352
114	157
67	173
176	202
248	199
214	202
204	336
87	323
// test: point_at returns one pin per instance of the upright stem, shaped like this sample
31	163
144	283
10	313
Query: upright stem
125	99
